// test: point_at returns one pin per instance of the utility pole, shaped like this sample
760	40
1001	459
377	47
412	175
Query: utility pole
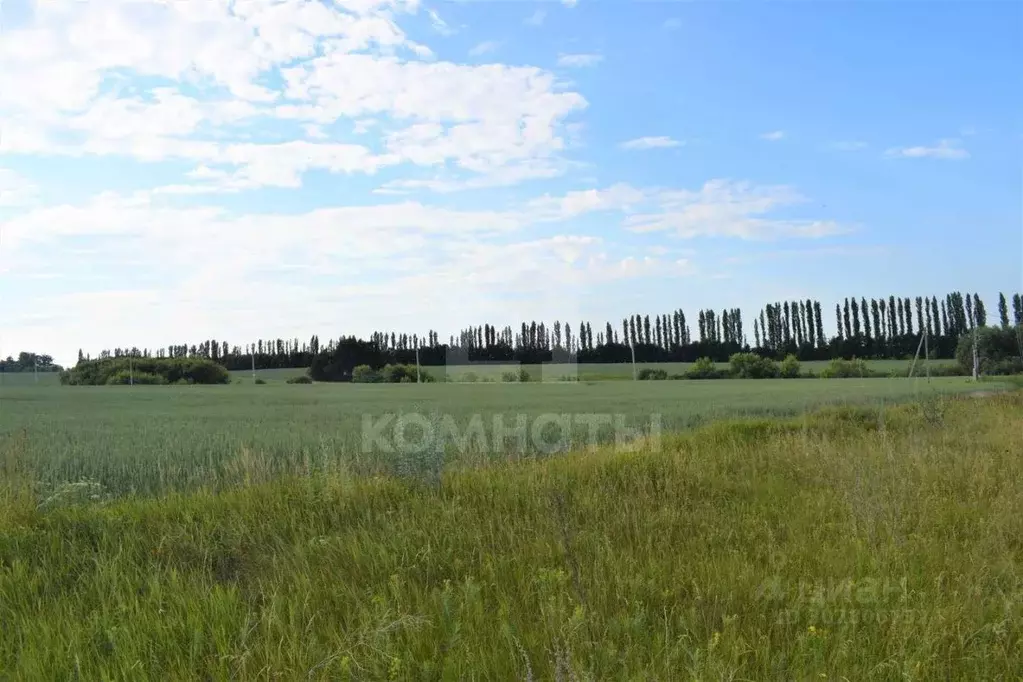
917	355
632	347
131	373
927	356
418	371
252	354
976	363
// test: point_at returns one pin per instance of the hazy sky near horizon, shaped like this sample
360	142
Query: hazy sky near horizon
177	170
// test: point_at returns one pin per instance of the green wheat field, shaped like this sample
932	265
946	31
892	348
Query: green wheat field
852	529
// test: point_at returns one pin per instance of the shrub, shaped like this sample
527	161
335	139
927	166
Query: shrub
300	380
403	374
704	368
170	370
790	367
523	375
845	369
509	377
470	377
998	351
124	378
364	374
258	382
396	374
942	370
651	374
752	366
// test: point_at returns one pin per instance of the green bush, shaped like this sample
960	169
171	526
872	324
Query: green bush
300	380
509	377
752	366
704	368
470	377
998	351
114	371
364	374
790	367
651	374
396	374
402	374
258	382
124	378
523	375
846	369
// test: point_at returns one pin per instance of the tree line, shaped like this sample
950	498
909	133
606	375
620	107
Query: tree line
29	362
875	328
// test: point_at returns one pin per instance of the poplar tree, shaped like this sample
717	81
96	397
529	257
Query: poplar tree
1003	310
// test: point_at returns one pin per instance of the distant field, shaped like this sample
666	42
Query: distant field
268	375
162	438
584	372
29	379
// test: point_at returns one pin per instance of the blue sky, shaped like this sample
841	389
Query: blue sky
262	168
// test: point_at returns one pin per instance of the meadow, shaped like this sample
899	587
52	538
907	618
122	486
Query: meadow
117	441
863	542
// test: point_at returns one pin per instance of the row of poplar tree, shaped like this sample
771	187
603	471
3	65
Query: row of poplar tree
865	328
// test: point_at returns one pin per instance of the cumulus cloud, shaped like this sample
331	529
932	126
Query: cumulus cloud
230	72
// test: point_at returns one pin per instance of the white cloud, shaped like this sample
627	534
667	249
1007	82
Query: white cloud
659	142
569	3
536	18
574	61
484	48
773	136
722	208
66	88
439	25
672	24
948	149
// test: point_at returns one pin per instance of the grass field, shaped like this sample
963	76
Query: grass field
167	438
853	544
586	372
29	379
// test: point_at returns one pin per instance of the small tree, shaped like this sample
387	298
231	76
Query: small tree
790	368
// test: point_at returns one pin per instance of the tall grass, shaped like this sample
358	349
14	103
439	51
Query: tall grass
858	543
